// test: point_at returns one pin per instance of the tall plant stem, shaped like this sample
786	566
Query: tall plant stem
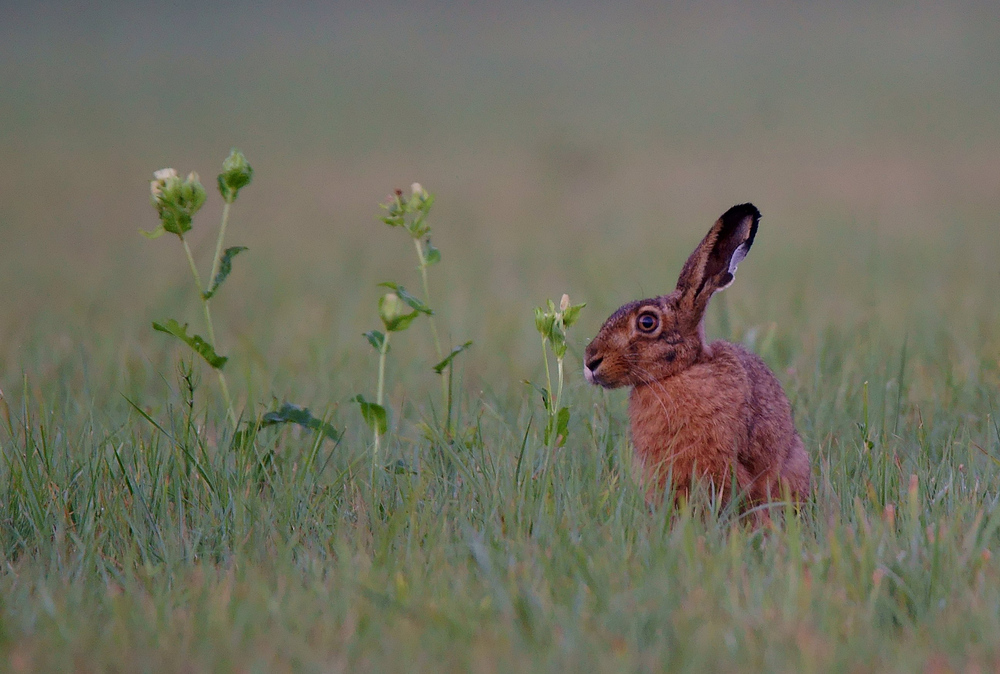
552	412
446	373
559	390
380	391
210	328
217	260
548	377
427	294
229	401
194	270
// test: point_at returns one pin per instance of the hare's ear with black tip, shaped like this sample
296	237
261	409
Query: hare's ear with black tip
712	265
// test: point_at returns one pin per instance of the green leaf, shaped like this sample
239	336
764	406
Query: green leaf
225	267
154	234
411	301
562	426
420	200
374	414
376	339
395	209
400	323
419	228
543	322
571	314
539	317
390	310
432	255
559	345
542	392
174	220
439	368
200	346
294	414
557	428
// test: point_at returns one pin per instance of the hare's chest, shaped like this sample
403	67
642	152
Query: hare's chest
688	420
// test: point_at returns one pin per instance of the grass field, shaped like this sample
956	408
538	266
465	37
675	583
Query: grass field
574	150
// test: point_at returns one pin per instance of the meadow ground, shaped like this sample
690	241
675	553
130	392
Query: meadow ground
586	166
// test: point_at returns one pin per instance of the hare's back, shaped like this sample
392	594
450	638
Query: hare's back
773	443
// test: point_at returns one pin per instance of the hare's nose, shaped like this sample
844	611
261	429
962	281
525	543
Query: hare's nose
595	363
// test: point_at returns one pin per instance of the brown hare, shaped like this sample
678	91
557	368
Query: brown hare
713	411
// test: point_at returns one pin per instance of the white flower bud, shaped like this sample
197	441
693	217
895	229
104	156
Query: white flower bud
159	181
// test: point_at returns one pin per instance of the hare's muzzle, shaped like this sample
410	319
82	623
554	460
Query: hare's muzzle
590	367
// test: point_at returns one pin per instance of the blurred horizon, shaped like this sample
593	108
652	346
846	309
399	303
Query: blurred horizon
575	147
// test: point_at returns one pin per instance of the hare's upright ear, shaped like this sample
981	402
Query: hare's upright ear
712	265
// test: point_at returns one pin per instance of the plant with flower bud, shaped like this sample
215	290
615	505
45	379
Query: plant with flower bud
410	214
397	309
176	201
551	324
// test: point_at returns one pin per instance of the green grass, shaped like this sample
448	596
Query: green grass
130	543
127	546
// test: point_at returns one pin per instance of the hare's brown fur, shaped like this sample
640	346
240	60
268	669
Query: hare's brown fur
714	411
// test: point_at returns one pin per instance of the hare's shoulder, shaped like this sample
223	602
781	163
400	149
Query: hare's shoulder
714	387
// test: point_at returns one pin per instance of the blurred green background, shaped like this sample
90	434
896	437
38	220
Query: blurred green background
573	147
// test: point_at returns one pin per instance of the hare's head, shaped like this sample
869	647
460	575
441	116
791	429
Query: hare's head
652	339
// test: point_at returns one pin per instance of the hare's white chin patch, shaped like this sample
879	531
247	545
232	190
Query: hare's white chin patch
588	374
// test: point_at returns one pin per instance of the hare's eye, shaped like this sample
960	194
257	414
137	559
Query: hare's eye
647	322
